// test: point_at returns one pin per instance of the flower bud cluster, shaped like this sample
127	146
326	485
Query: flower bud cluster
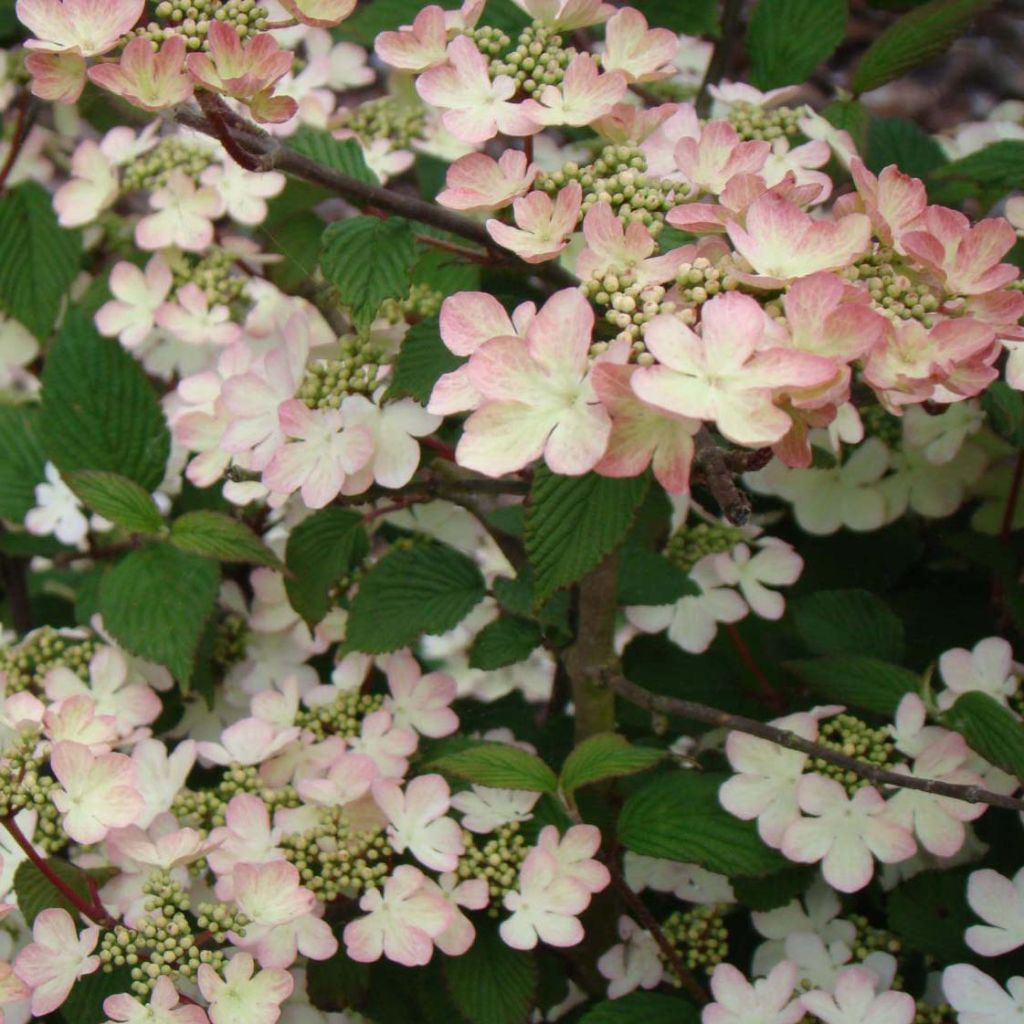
26	663
211	272
631	306
689	544
342	718
496	859
191	19
231	635
699	936
849	735
538	59
927	1013
151	170
753	122
893	292
701	280
394	118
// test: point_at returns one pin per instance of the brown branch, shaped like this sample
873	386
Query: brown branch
637	695
712	463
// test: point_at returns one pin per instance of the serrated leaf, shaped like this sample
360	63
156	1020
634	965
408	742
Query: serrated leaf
692	17
219	536
155	603
422	359
645	577
930	914
1004	407
918	37
788	39
426	588
605	756
866	683
678	817
848	622
321	550
499	765
492	983
763	894
990	729
99	411
85	1003
505	641
21	459
297	239
573	522
369	260
38	258
643	1008
895	140
344	155
999	167
36	893
118	499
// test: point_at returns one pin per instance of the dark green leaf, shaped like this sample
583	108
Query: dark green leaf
386	16
219	536
645	577
297	239
894	140
764	894
1004	407
155	603
573	522
499	765
990	729
118	499
848	622
321	550
788	39
85	1003
643	1008
38	258
99	411
678	817
929	913
342	155
504	641
21	459
692	17
852	117
492	983
337	984
426	588
859	682
36	892
999	167
422	359
605	756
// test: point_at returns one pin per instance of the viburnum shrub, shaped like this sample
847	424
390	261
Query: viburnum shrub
504	520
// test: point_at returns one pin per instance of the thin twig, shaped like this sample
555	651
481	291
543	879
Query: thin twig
712	462
637	695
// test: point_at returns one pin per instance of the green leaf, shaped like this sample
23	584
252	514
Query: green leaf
763	894
918	37
385	16
297	239
321	550
38	258
999	167
369	260
155	602
788	39
37	893
573	522
505	641
866	683
337	984
85	1003
118	499
422	359
217	535
678	817
852	117
342	155
492	983
645	577
1004	407
848	622
990	729
99	411
426	588
643	1008
499	765
895	140
605	756
21	459
692	17
930	914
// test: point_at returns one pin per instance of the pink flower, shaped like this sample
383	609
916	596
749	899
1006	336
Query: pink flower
56	77
543	227
574	852
153	81
57	957
544	906
320	13
248	741
420	702
894	201
183	215
978	999
417	47
624	250
845	834
475	108
348	779
471	894
322	455
641	54
708	162
245	836
417	822
385	743
478	184
244	192
631	125
855	1001
96	794
193	321
75	719
766	1001
91	189
999	902
242	997
162	1007
987	668
584	95
138	294
728	373
538	399
566	15
86	27
402	922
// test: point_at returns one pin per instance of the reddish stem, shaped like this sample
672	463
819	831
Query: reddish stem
769	694
446	451
213	107
17	139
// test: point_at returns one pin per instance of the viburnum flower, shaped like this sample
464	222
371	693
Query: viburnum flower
855	1002
150	80
244	192
999	902
766	1001
57	957
472	894
56	77
402	921
894	201
978	999
385	743
707	162
192	320
96	793
320	13
987	668
542	227
574	852
248	741
86	27
566	15
417	701
688	882
183	216
246	72
538	398
75	719
138	294
475	108
244	995
246	837
584	95
417	822
544	905
485	809
162	1007
416	47
775	563
633	963
58	511
844	833
160	775
348	779
12	988
642	54
476	183
727	374
91	189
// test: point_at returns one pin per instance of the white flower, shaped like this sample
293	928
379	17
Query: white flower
999	902
979	1000
766	1001
417	821
689	882
855	1002
58	511
244	193
18	347
56	959
941	437
131	314
485	809
242	996
544	906
775	563
987	668
932	490
633	963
